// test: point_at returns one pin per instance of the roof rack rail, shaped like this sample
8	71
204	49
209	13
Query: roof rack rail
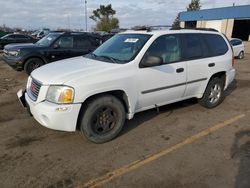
198	28
150	28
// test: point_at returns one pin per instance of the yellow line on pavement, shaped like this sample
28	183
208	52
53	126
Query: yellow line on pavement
138	163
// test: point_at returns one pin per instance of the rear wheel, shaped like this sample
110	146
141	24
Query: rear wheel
241	55
102	119
32	64
214	93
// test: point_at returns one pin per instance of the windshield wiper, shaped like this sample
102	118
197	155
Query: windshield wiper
92	54
104	56
108	57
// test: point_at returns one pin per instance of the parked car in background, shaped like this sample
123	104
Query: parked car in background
40	33
2	33
43	33
238	48
131	72
15	38
53	47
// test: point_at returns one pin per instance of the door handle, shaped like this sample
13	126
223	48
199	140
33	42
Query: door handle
179	70
211	64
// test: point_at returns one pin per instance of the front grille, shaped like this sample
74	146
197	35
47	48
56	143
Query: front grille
34	89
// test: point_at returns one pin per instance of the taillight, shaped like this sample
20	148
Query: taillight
233	61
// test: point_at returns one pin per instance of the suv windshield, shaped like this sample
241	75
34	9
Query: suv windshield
48	40
121	48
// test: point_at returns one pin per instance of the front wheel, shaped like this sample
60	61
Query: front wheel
214	93
102	119
32	64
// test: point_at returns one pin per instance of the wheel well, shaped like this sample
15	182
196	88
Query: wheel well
119	94
221	75
31	58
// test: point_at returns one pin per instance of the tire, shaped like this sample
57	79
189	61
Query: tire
241	55
214	93
103	119
32	64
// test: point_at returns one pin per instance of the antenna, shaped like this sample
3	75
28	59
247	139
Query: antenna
86	14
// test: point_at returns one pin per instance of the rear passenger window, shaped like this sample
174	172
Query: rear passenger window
193	47
95	41
82	42
216	44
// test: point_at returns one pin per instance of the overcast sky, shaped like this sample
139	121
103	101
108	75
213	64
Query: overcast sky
36	14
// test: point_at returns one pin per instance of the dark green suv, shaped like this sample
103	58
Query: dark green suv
53	47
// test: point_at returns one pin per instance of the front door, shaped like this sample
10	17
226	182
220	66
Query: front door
166	83
61	49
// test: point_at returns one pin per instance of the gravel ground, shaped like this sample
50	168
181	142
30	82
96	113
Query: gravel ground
34	156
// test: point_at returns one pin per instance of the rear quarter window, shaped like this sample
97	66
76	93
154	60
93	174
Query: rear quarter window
193	47
216	44
82	42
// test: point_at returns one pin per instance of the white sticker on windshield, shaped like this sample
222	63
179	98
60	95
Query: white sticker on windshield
49	38
132	40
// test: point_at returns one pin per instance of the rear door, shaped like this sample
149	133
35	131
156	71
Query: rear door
195	54
82	45
166	83
204	54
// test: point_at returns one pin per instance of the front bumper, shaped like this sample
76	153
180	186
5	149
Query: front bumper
53	116
230	77
15	63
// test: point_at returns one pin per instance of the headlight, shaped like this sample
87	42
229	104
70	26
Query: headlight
28	82
60	94
14	52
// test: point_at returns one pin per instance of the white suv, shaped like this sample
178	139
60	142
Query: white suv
131	72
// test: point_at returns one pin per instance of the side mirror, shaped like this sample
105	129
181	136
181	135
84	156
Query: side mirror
151	61
56	46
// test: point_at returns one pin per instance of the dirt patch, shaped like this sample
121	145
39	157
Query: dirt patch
33	156
9	160
241	152
243	83
22	141
7	83
65	183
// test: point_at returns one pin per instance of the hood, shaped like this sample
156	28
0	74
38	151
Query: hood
21	46
63	71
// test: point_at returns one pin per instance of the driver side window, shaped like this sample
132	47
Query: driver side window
65	42
167	47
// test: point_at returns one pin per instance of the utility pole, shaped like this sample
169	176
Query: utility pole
86	16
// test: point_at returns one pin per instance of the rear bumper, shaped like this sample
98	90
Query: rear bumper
15	63
230	77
